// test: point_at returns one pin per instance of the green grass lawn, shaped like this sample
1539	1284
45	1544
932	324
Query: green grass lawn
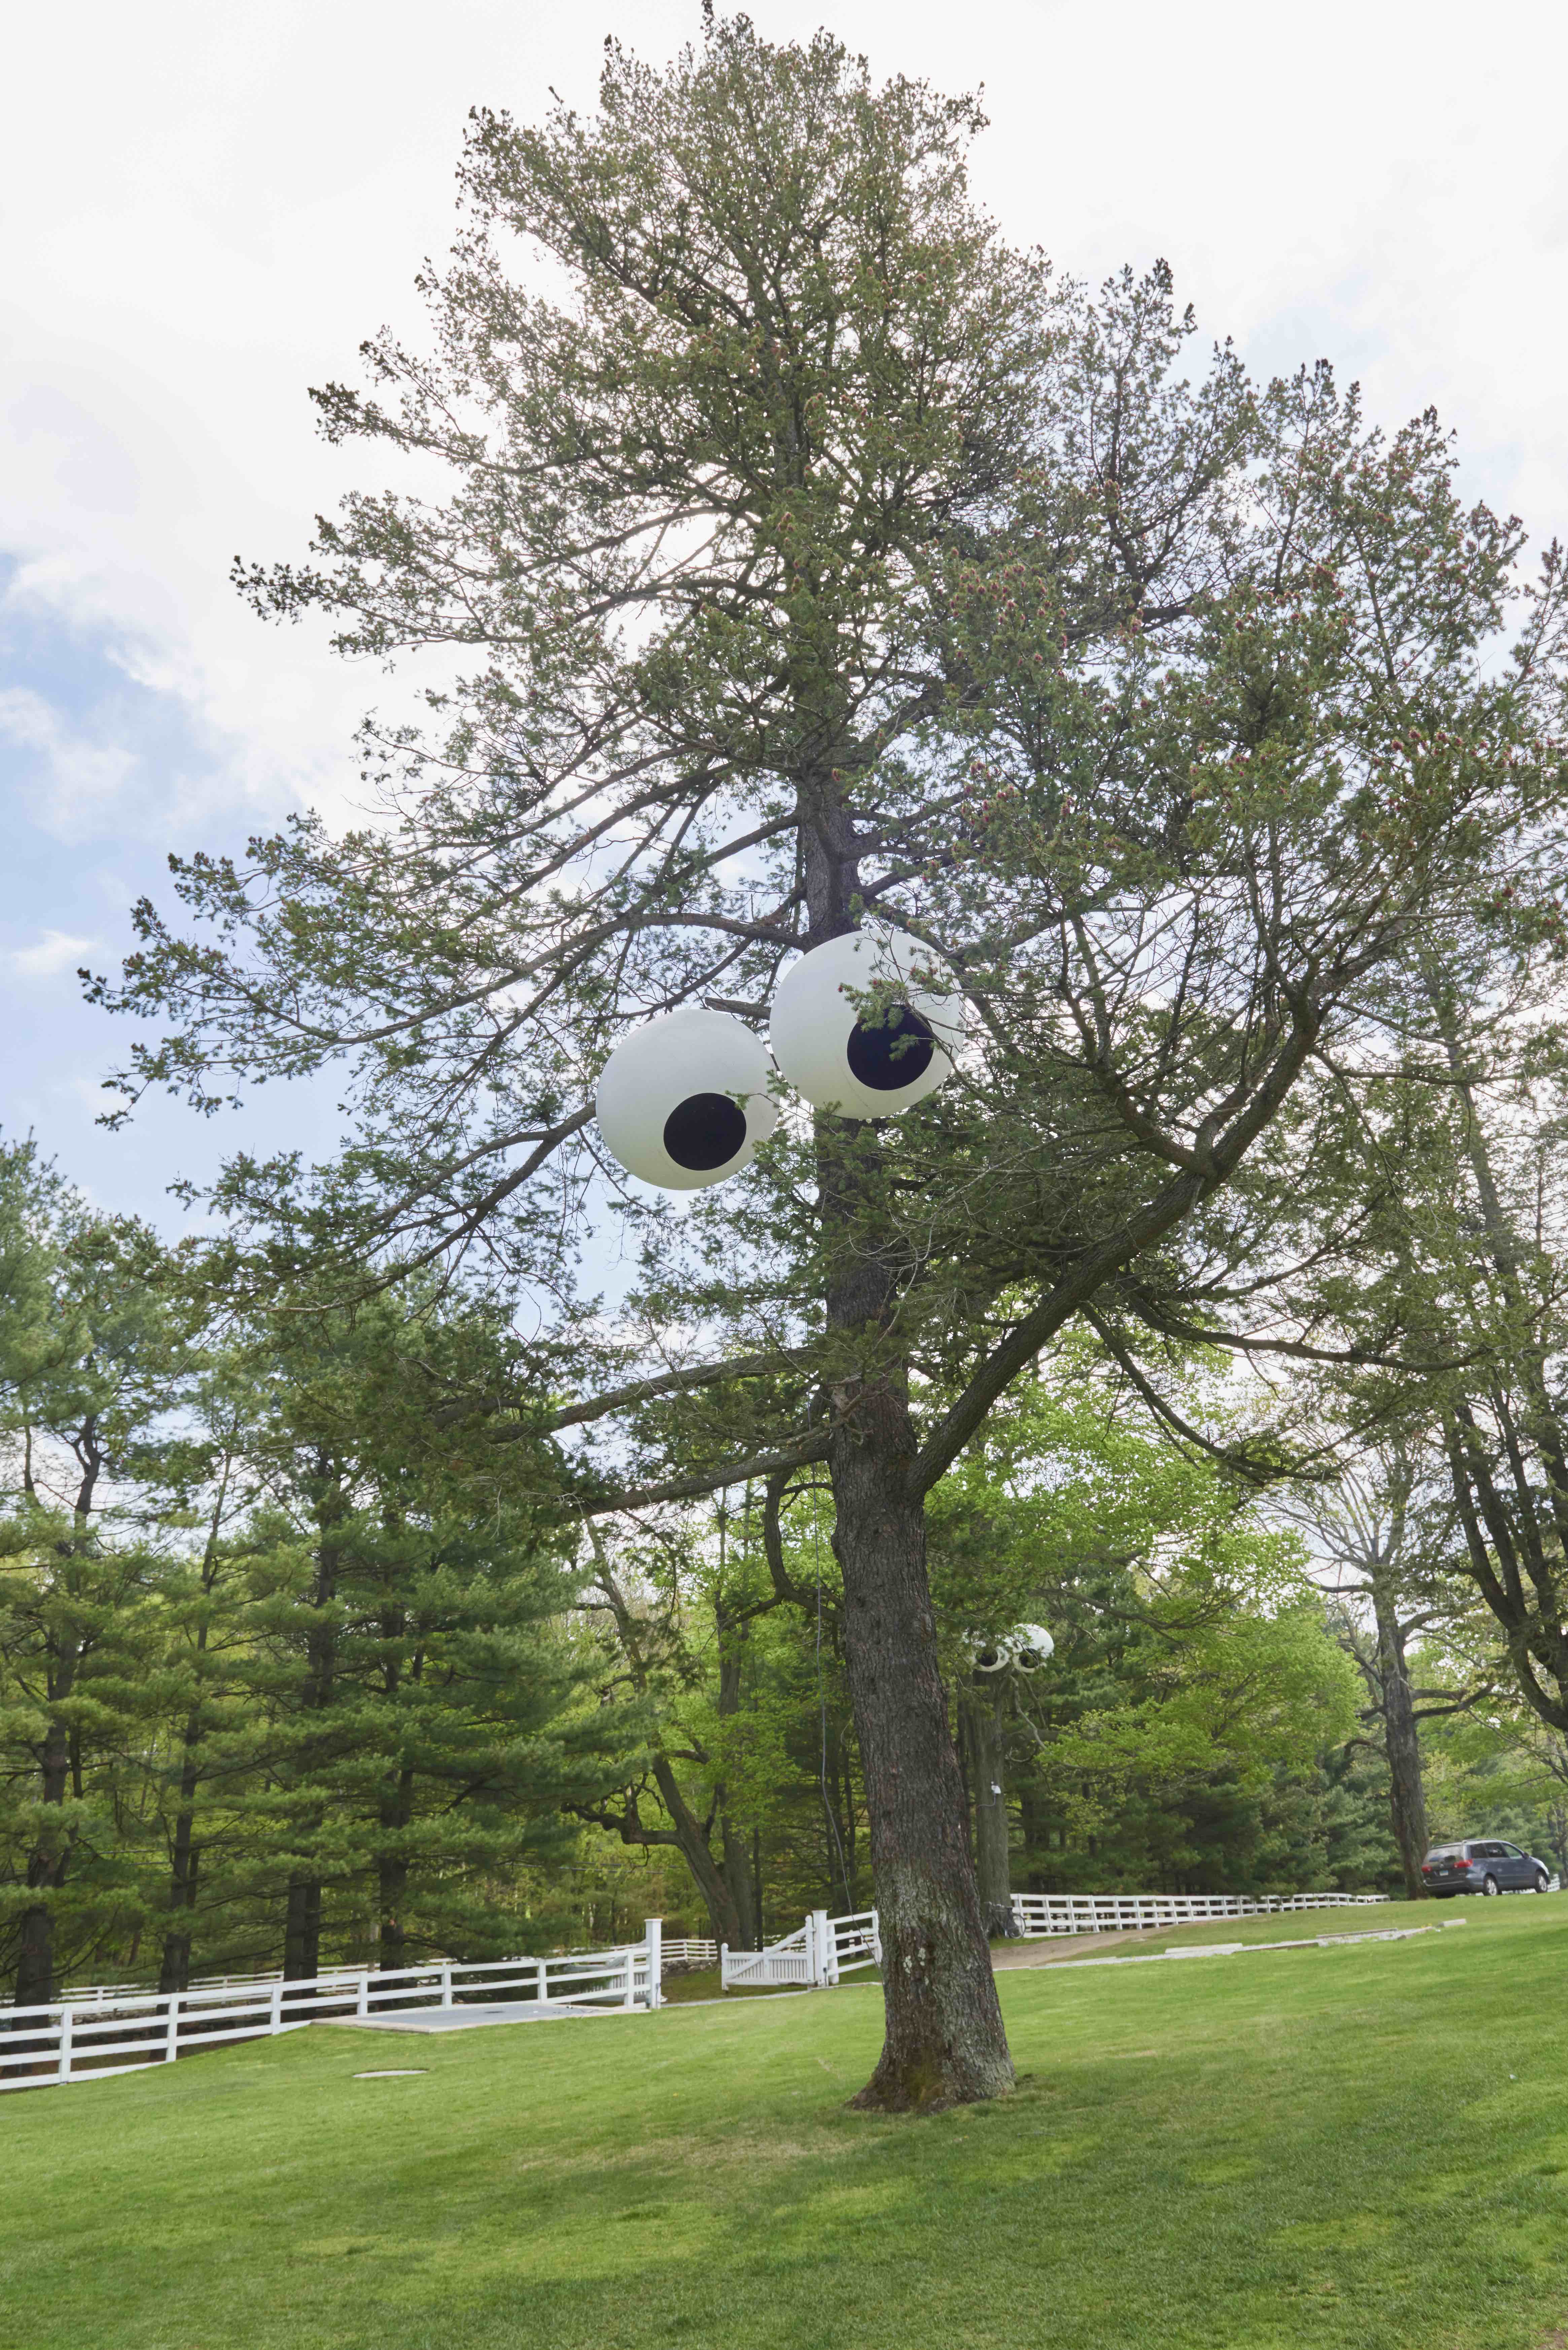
1318	2148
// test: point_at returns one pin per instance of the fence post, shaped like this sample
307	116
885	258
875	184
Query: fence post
629	1997
362	2004
653	1928
542	1992
446	1984
724	1966
275	2019
877	1936
64	2066
171	2032
824	1954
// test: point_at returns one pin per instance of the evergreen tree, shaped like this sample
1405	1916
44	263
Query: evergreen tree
814	557
91	1362
426	1720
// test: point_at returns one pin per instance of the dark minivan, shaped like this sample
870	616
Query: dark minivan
1483	1866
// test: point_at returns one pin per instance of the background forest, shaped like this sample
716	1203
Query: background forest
455	1546
298	1665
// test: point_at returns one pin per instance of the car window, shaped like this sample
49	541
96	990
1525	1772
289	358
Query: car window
1445	1851
1511	1852
1487	1851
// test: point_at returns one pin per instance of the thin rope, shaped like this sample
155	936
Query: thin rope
822	1712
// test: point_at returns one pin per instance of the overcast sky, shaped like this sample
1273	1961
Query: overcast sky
206	208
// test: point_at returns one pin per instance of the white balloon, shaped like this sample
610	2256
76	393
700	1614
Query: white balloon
872	1067
1031	1645
1025	1648
683	1102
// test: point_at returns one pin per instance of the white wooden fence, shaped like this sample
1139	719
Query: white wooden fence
825	1948
89	2036
1037	1914
96	1994
690	1951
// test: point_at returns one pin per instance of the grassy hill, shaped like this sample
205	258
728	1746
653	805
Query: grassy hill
1360	2147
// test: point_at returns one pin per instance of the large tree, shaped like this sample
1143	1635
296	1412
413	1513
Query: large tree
1384	1545
786	550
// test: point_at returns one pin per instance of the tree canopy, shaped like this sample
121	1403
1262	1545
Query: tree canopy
781	551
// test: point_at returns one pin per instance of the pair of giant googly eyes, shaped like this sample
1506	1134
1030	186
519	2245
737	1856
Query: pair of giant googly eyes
683	1102
1025	1648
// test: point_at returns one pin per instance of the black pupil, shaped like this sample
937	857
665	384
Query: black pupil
987	1659
704	1131
894	1052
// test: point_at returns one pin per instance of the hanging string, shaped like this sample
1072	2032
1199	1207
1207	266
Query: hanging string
822	1712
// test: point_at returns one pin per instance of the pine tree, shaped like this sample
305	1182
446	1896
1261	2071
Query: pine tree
812	556
91	1362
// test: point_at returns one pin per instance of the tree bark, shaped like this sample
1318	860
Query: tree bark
738	1875
992	1862
945	2043
302	1929
302	1912
174	1974
47	1862
45	1875
1406	1795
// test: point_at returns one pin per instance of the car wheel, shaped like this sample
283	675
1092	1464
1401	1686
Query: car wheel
1542	1880
1488	1885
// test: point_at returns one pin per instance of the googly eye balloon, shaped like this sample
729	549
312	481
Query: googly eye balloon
1025	1648
1032	1646
867	1059
684	1101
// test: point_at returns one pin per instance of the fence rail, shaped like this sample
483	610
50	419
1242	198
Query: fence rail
87	2037
690	1951
1038	1914
826	1949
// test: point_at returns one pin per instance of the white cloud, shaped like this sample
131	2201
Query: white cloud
238	196
67	780
54	952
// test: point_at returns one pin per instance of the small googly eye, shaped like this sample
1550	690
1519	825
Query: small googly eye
1034	1646
867	1059
683	1102
1025	1648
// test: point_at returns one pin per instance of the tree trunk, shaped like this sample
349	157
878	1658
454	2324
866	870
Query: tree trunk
992	1864
397	1809
301	1914
35	1984
728	1923
1406	1795
302	1929
175	1972
945	2043
737	1859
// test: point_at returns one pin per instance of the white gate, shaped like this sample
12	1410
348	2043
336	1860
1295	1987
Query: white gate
815	1955
797	1959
